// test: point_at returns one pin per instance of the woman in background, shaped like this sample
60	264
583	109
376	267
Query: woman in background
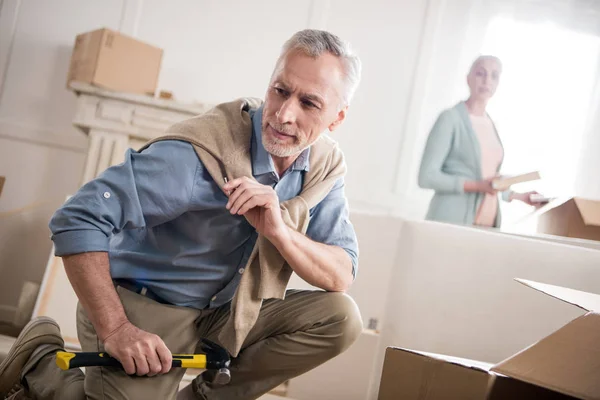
464	154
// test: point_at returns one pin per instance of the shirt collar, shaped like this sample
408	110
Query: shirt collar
262	163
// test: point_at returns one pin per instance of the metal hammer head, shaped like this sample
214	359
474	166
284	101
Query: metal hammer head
218	361
216	356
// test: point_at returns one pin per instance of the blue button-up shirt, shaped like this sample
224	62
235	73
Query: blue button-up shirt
162	219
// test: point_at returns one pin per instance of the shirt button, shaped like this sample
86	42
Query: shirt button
241	270
106	195
213	298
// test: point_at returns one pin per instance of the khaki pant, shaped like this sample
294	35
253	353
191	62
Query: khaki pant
290	337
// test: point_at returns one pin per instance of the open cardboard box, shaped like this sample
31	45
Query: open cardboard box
563	365
574	217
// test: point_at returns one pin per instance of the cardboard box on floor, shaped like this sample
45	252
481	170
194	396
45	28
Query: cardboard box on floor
571	217
563	365
111	60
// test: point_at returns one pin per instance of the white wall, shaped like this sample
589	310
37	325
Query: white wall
588	173
219	50
41	155
387	36
439	85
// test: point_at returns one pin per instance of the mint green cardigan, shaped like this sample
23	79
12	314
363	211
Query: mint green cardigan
452	156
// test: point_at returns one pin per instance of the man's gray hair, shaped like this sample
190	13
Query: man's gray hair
314	43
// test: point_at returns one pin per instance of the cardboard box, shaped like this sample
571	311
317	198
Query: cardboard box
563	365
114	61
571	217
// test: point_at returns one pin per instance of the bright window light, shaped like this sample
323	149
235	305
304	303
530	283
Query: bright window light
543	100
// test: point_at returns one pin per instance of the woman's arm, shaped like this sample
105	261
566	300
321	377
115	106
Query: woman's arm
484	186
436	150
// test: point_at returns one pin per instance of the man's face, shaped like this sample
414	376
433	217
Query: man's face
484	78
303	100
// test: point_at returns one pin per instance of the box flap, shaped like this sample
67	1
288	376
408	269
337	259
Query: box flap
504	387
589	210
478	365
584	300
567	361
558	202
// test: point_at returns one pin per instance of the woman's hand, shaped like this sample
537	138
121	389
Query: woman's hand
526	198
483	186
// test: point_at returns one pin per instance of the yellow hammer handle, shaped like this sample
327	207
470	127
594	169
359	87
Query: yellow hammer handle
67	360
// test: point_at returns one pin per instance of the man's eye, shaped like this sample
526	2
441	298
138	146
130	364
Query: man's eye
309	104
280	91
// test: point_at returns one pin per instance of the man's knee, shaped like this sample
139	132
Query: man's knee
346	323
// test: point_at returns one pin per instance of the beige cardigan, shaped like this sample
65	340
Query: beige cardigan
221	138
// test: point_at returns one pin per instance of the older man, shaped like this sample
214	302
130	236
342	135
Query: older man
195	236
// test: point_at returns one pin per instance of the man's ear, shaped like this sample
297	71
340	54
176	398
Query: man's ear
341	116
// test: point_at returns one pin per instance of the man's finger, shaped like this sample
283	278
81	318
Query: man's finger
235	195
250	204
128	365
165	356
244	197
154	365
262	200
234	183
152	358
141	364
243	187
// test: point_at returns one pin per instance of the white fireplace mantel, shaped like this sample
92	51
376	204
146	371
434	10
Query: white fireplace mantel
117	121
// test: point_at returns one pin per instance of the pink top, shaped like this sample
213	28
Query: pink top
491	157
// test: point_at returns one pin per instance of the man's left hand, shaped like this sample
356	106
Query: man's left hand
258	203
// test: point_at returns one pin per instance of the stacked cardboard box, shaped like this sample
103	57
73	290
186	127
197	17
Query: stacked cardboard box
111	60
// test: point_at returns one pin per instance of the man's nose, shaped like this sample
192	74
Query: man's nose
287	112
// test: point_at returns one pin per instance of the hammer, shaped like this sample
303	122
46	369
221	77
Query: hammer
215	358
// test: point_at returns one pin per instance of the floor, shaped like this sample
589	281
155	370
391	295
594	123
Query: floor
7	341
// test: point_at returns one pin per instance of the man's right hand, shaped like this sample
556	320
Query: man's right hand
140	352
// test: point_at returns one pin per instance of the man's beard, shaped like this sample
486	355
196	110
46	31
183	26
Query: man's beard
277	147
